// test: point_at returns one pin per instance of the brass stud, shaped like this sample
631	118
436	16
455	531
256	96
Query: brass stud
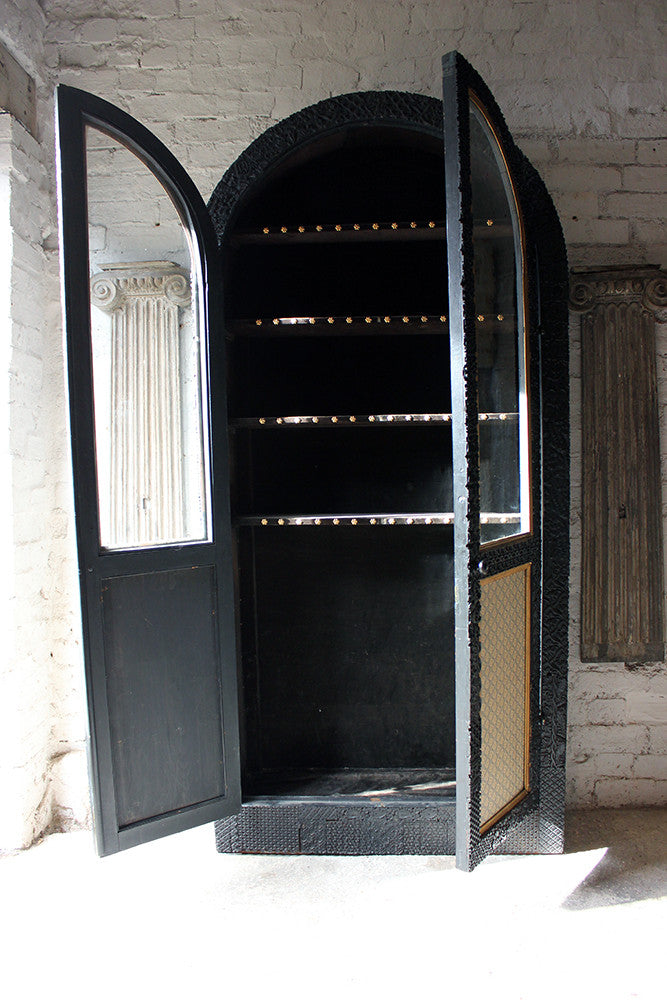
353	420
443	319
371	419
281	520
297	420
302	229
406	319
431	225
489	222
483	416
316	420
501	317
356	226
413	225
279	420
390	417
334	420
283	229
427	417
336	520
330	319
318	229
391	520
424	319
262	420
376	225
480	318
353	521
387	319
408	416
368	319
348	319
429	520
318	520
338	227
258	322
410	520
394	225
373	520
264	521
311	320
265	230
275	322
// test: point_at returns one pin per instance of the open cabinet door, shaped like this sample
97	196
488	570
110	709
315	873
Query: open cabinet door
496	452
149	448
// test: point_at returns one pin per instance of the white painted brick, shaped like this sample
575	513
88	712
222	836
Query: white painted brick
99	30
577	177
607	712
632	739
596	151
641	178
611	792
596	231
629	204
658	739
652	151
651	766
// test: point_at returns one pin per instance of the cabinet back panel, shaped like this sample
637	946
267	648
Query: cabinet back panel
350	660
347	470
287	375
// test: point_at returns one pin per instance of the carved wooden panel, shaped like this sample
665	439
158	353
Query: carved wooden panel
622	554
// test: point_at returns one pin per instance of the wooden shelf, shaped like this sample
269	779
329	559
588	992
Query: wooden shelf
355	520
309	326
362	420
323	326
361	232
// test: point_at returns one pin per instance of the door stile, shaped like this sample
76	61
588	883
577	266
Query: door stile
490	569
166	578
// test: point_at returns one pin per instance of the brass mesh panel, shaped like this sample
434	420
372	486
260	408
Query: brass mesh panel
505	630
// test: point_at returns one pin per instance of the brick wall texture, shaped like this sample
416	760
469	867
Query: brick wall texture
582	88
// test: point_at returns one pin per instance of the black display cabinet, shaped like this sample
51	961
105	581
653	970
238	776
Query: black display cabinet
384	552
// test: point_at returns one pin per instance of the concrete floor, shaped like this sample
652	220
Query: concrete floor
175	919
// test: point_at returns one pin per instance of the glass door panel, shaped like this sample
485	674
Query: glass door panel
146	322
501	343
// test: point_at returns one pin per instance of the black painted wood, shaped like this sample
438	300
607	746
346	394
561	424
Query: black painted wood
158	623
460	84
325	371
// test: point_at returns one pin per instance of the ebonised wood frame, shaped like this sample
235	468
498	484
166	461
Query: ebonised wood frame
538	823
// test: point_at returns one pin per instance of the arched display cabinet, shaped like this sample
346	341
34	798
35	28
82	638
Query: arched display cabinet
346	633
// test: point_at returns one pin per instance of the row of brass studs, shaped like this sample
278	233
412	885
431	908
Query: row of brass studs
380	519
354	227
358	227
312	320
371	419
345	521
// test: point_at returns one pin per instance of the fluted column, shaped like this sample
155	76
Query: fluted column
622	554
146	439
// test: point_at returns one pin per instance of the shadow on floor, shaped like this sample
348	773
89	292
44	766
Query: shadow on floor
635	864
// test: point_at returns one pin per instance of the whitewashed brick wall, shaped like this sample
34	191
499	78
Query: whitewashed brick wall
579	84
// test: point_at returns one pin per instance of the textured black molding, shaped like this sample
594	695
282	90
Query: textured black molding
323	828
392	108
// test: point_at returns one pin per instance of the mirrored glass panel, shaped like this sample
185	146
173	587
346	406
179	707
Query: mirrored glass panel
148	371
501	352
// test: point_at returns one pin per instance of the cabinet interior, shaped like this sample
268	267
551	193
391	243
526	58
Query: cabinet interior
339	395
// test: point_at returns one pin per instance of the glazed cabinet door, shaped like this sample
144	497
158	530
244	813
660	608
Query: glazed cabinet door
496	452
149	451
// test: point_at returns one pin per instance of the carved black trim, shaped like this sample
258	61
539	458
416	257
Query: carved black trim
392	108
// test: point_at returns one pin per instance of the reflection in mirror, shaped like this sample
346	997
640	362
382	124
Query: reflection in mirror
145	294
499	307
